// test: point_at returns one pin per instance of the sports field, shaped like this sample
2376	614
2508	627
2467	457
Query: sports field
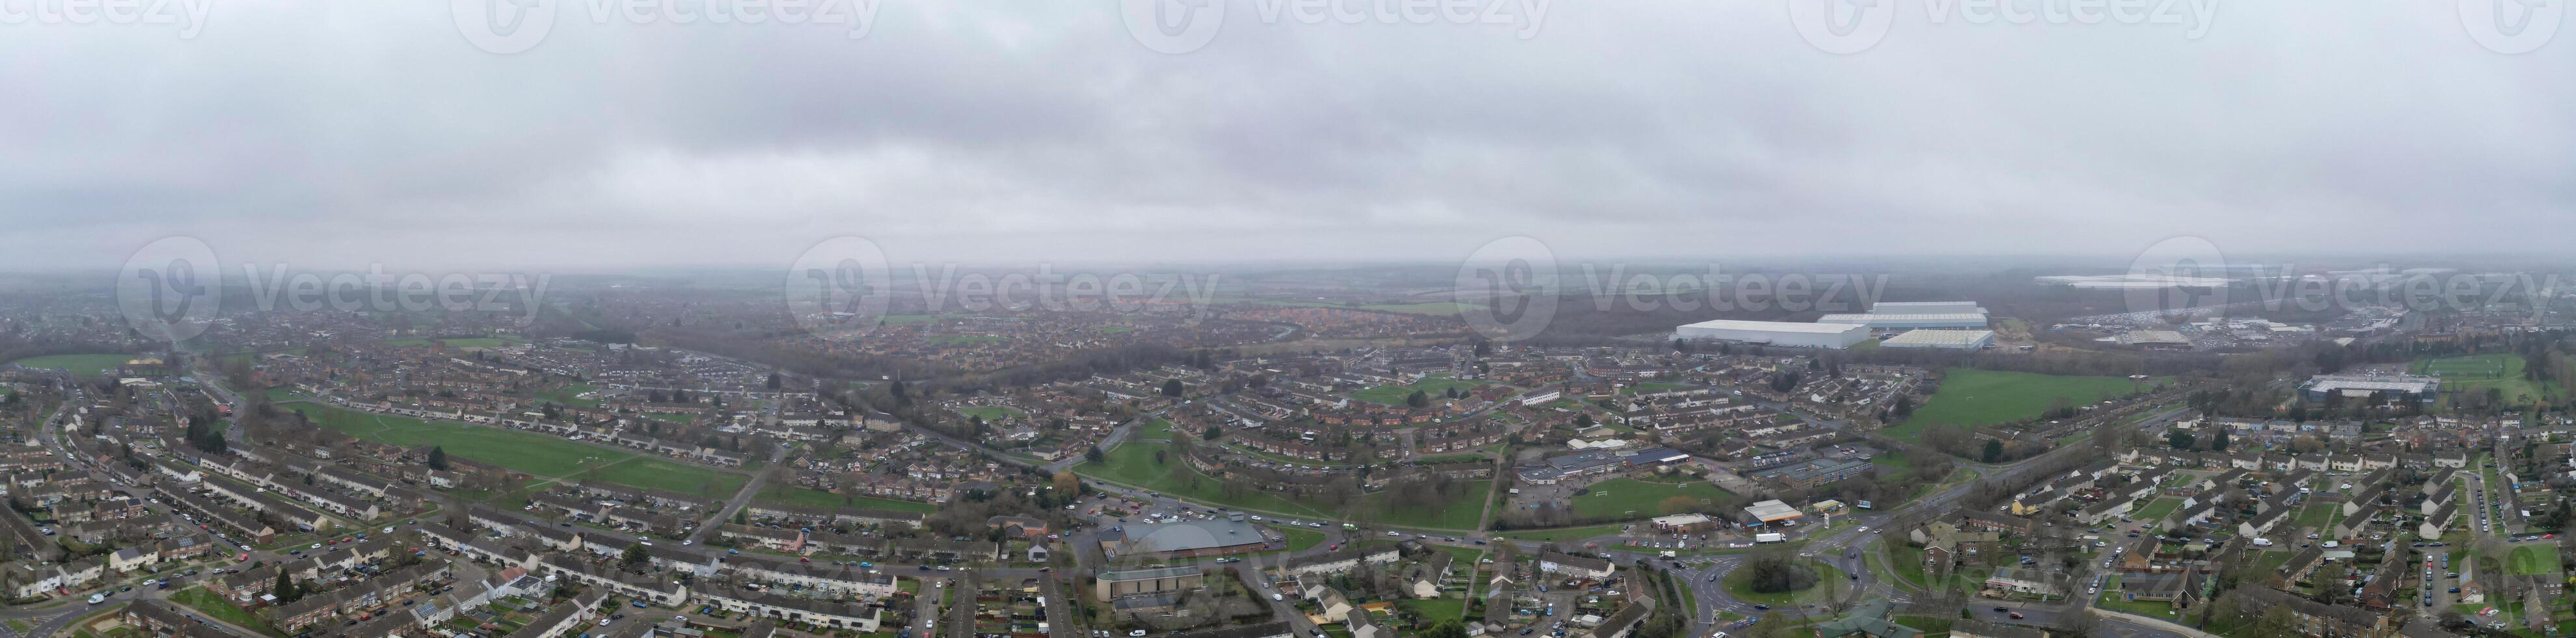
1987	397
535	454
2478	372
1639	499
85	364
1432	386
570	394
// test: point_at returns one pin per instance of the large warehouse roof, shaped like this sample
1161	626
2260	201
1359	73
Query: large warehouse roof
1772	326
1875	317
1941	338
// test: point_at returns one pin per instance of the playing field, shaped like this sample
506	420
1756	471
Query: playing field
535	454
1987	397
2471	367
466	342
1432	386
2477	373
88	365
1631	498
2532	559
570	394
2158	509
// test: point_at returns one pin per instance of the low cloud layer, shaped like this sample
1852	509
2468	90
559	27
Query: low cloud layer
337	134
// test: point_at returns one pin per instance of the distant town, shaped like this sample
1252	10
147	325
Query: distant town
1348	452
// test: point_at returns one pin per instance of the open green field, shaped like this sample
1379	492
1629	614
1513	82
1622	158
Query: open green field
90	365
1640	499
2480	372
1987	397
214	606
2158	509
1460	514
570	394
992	412
1298	538
2472	367
1132	463
2532	559
535	454
1432	385
803	497
967	340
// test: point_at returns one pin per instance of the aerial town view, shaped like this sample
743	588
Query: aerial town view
1286	319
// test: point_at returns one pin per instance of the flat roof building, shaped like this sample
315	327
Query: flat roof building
1772	511
1777	333
1944	339
1890	321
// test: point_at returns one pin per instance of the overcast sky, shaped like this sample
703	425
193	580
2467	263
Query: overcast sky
346	133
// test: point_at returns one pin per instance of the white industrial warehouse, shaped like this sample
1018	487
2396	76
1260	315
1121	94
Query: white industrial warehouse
1879	321
1908	315
1777	333
1946	339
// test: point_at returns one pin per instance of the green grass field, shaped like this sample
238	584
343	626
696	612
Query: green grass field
88	365
535	454
2532	559
570	394
1432	385
1299	538
967	340
1987	397
214	606
2158	509
1132	463
2480	372
1640	499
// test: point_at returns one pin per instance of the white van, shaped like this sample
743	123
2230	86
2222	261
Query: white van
2262	542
